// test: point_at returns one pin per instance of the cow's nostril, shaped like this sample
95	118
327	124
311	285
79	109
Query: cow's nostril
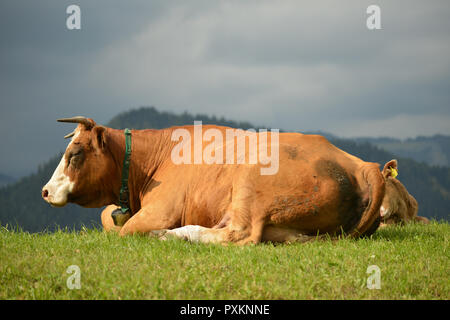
44	193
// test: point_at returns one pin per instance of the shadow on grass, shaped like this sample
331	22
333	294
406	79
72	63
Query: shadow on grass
410	231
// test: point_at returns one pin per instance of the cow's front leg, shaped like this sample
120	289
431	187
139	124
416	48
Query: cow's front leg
149	219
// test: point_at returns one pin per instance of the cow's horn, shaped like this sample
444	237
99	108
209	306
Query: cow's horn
83	120
70	135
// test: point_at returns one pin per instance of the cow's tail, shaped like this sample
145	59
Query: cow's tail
370	218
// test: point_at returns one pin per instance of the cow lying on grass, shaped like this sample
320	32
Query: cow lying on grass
398	207
318	188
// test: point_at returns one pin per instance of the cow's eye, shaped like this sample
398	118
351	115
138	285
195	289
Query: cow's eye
74	157
76	153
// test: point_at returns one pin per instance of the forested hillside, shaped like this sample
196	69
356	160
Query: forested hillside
5	179
21	203
149	117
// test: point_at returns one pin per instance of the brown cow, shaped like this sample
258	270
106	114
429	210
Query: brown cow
318	189
398	207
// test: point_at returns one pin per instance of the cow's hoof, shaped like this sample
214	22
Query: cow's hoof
161	234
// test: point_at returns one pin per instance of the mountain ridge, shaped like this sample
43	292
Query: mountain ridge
433	150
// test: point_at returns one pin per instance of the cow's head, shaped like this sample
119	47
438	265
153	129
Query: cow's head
397	204
84	175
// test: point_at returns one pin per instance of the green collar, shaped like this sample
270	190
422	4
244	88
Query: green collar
124	192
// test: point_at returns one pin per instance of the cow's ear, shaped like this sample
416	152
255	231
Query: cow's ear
99	136
390	169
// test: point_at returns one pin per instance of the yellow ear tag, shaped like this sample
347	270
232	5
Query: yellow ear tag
394	172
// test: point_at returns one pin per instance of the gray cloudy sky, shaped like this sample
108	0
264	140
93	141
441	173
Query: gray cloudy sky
295	65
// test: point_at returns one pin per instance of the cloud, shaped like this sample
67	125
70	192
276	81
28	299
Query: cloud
269	62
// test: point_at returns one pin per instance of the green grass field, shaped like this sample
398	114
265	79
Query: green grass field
413	262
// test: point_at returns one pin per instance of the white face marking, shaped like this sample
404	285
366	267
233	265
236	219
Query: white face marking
59	185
